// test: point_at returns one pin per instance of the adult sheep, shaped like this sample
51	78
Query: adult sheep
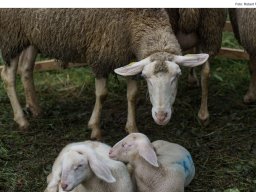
105	39
200	28
244	30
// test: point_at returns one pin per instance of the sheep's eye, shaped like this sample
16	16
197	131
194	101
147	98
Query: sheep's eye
123	144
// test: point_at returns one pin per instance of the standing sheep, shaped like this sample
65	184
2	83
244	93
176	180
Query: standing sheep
106	39
243	23
200	28
158	166
86	167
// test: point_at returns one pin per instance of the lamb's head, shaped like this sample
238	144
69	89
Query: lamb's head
133	146
79	165
161	71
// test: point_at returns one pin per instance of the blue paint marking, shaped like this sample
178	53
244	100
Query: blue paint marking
186	164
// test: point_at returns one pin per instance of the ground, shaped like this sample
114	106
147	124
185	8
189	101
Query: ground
224	152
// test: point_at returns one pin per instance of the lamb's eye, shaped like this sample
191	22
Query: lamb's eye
78	166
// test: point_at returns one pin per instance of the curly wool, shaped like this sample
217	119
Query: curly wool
103	38
243	23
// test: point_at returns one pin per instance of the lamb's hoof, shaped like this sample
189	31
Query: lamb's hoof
249	98
204	119
131	128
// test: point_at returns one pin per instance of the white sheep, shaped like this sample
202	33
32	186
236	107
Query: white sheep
86	167
159	166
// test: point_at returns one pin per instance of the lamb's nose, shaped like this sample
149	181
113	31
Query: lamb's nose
110	151
64	186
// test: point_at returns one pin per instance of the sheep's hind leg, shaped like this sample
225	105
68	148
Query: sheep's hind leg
192	78
203	113
101	92
9	78
26	66
251	93
132	90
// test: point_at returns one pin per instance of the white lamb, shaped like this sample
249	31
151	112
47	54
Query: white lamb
86	167
160	166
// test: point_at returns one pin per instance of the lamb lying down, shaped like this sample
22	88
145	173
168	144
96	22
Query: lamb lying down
160	166
86	167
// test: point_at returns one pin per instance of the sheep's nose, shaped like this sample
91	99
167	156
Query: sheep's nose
161	116
64	186
110	151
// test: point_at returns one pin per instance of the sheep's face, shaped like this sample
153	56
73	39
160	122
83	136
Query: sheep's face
161	71
75	169
133	146
162	88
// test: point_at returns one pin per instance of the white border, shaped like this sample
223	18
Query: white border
127	3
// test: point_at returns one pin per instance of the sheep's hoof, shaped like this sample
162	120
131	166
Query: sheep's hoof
96	135
130	128
249	98
204	119
36	111
96	132
23	124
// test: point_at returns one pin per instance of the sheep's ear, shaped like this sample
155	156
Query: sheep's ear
132	68
191	60
148	153
100	169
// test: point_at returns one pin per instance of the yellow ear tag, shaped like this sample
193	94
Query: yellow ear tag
130	64
190	55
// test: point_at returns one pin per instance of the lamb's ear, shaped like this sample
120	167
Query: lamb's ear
132	68
191	60
100	169
53	181
148	153
54	177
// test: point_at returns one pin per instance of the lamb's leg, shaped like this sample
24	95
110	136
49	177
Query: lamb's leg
203	113
26	66
101	92
9	78
192	78
251	93
132	89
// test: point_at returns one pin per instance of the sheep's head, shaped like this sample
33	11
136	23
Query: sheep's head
133	145
161	71
79	165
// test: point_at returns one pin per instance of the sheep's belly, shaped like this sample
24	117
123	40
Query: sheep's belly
187	40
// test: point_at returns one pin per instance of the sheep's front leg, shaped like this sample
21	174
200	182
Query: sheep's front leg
192	78
203	113
101	92
251	93
9	78
132	90
26	66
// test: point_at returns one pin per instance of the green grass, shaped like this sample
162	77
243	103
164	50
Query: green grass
223	152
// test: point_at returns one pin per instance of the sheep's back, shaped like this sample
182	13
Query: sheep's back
96	36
